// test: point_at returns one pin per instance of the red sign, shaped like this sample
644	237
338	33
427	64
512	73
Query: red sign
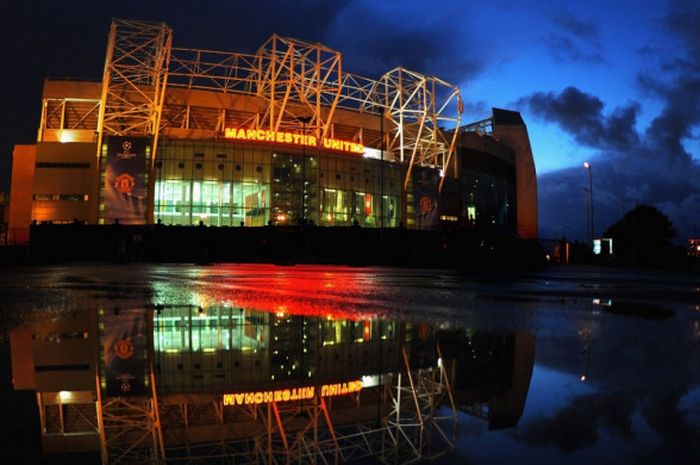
292	138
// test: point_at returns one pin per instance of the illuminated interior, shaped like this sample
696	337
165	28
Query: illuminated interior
222	184
179	330
211	202
227	348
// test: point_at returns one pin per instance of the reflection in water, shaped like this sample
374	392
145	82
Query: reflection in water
154	366
221	383
493	373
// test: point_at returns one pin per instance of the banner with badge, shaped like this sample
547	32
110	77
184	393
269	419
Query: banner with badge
425	200
126	179
125	352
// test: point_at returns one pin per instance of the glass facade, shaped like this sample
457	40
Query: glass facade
352	192
224	184
215	183
222	348
488	200
488	186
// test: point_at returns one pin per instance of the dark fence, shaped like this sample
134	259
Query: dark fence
461	248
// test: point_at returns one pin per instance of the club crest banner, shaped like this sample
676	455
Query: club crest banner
126	179
425	199
125	352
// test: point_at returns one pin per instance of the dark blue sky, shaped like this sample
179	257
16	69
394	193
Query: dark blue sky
616	83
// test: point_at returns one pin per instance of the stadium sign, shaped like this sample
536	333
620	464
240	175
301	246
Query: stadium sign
293	138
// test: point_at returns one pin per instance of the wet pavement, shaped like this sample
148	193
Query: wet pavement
614	375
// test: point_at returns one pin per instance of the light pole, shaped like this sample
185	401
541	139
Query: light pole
588	166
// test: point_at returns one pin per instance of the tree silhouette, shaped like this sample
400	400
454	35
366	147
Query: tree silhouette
642	237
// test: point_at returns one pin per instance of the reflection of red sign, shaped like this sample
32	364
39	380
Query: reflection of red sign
125	183
425	204
292	394
124	349
424	332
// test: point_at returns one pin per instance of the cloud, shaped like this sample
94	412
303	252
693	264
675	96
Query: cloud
377	37
576	426
581	115
638	384
631	166
585	29
582	422
564	49
578	40
474	110
683	22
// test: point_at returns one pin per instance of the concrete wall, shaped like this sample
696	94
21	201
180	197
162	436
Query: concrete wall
72	89
23	161
514	134
65	170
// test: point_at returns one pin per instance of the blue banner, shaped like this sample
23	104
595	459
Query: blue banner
126	180
125	352
425	200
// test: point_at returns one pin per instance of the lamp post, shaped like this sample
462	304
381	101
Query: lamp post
303	120
588	166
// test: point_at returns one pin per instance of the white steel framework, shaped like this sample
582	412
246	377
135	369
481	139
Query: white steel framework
409	418
130	428
418	106
134	79
297	80
59	114
298	85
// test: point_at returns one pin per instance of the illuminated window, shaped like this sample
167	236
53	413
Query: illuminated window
216	329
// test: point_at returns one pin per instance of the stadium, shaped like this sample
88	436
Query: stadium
283	136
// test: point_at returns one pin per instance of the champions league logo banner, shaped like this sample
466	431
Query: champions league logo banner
125	352
126	180
425	197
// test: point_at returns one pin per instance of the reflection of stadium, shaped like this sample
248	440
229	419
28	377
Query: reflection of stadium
492	373
283	136
227	383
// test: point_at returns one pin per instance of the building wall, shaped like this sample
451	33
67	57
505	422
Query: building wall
72	88
201	114
57	354
23	161
488	181
509	127
70	111
65	352
4	216
65	182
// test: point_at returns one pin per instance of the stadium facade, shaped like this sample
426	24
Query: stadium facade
282	136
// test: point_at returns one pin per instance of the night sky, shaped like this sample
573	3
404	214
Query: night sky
615	83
